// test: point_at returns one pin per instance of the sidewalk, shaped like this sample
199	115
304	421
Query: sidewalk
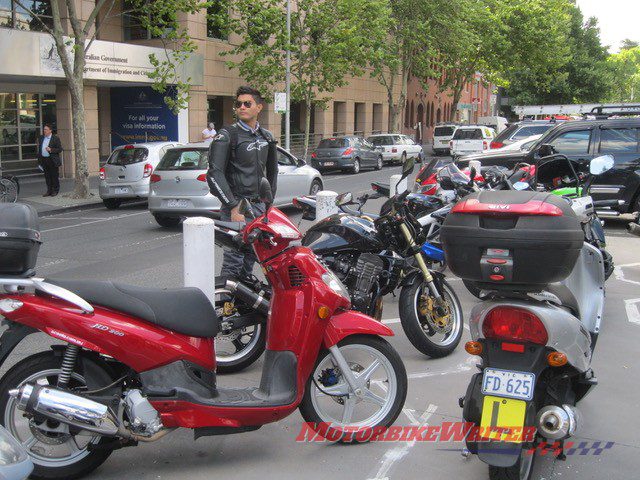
32	188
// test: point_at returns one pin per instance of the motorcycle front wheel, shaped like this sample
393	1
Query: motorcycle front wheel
433	335
340	414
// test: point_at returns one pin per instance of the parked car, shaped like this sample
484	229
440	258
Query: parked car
442	135
179	184
471	139
396	147
499	124
581	141
521	145
346	153
518	131
126	174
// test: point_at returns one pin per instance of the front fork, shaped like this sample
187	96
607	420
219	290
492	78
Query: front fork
426	274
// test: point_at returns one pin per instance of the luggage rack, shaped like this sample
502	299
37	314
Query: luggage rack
17	284
603	112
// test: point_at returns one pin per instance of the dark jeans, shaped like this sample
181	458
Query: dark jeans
234	263
51	175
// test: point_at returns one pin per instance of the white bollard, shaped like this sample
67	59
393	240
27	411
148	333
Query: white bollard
326	204
199	255
475	164
393	181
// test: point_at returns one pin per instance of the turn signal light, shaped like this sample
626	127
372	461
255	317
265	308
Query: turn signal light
324	313
102	174
557	359
473	348
347	152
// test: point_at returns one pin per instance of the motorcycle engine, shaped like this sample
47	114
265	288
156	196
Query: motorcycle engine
362	278
143	418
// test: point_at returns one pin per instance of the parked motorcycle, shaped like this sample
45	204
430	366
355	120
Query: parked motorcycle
138	363
537	325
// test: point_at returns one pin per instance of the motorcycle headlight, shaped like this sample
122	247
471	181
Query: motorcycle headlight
334	283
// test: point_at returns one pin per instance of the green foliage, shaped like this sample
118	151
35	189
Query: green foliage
625	75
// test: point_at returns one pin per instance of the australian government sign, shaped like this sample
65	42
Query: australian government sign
34	54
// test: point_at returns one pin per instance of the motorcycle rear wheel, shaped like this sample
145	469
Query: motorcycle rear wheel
331	406
520	471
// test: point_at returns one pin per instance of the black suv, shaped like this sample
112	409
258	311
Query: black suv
582	140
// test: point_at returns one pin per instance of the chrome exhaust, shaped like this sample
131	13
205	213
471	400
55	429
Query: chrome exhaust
557	423
66	408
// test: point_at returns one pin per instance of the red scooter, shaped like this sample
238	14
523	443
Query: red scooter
138	362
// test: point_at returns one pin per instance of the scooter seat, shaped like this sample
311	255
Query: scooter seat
182	310
236	226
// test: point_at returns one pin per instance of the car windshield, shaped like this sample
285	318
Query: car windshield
128	156
468	134
382	140
180	159
333	143
443	131
506	133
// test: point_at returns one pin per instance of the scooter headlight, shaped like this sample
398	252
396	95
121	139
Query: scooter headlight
334	283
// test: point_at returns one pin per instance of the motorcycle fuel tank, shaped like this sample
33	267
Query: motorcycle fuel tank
342	232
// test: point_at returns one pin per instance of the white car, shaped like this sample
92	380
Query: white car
179	185
126	174
442	135
471	139
396	147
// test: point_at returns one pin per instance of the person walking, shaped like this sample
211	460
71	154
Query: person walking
49	150
209	133
240	155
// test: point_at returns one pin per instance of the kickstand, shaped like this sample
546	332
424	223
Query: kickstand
560	455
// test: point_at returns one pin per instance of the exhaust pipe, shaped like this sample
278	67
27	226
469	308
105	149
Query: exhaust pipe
557	423
244	293
66	408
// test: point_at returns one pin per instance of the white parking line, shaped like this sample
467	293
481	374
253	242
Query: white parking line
631	306
95	221
467	365
619	273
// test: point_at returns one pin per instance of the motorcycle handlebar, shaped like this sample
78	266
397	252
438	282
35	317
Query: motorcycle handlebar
605	203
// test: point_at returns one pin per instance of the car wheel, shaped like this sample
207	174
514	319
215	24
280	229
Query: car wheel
356	166
379	164
167	222
316	186
112	203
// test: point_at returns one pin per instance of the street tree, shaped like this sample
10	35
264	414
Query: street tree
74	33
328	45
628	44
625	75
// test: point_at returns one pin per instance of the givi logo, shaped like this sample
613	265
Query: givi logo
498	207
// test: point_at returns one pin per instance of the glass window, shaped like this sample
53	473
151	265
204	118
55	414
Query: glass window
8	153
619	140
29	117
333	143
128	156
443	131
8	117
218	19
284	159
572	143
382	140
133	23
525	132
179	159
9	136
468	134
29	137
25	21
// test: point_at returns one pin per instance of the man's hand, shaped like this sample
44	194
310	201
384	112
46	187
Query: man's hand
236	216
48	149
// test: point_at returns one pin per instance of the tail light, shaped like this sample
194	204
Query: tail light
202	177
314	155
394	150
155	178
495	144
129	147
102	174
348	151
148	170
510	323
485	145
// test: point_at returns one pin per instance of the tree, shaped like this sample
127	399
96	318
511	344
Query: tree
628	44
625	75
329	41
73	46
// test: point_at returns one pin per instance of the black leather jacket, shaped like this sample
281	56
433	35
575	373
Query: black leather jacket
238	159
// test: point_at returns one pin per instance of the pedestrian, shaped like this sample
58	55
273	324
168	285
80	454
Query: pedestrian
240	155
418	135
209	133
49	150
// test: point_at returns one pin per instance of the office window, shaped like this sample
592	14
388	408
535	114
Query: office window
13	15
218	19
133	22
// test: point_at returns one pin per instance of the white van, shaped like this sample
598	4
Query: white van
495	122
442	135
471	139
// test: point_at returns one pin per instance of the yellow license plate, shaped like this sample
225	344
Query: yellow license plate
503	419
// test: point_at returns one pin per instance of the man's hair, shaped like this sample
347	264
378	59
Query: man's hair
247	90
48	125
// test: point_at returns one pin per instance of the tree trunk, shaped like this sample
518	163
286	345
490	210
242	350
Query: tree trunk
81	189
457	93
307	126
393	109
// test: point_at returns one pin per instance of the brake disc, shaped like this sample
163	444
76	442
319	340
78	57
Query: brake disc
428	308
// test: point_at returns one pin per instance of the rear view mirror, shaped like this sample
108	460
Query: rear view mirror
601	164
266	195
344	198
407	168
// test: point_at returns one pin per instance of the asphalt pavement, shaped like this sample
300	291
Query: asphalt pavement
128	246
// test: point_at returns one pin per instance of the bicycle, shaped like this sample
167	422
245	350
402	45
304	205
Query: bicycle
9	188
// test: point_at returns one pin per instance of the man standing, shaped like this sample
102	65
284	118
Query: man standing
209	133
49	149
239	157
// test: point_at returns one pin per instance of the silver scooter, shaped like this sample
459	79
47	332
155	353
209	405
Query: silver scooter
536	348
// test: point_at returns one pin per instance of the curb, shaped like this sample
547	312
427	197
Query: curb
70	208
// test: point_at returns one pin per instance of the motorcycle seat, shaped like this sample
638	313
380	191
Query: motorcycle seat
182	310
236	226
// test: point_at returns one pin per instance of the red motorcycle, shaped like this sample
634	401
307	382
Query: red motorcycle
138	362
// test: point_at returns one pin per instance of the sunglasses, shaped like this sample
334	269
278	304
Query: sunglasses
246	104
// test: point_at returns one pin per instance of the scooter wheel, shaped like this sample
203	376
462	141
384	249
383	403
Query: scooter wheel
520	471
55	451
335	411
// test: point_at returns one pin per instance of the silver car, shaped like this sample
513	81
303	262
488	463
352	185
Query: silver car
179	184
126	174
396	147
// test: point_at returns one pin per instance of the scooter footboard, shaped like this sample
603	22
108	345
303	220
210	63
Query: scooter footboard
352	323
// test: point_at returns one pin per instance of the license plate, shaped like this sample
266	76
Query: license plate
506	383
444	142
120	190
329	164
503	419
177	203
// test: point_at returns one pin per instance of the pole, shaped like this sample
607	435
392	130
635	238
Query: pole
199	255
287	115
